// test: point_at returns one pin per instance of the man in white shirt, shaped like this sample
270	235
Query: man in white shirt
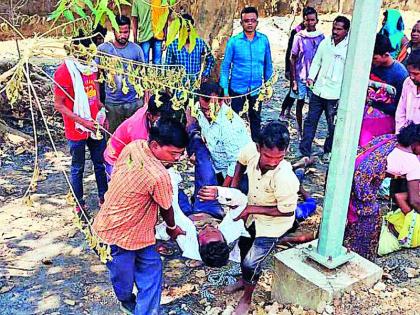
325	79
217	136
206	238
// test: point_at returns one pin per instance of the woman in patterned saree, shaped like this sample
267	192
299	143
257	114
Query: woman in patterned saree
387	155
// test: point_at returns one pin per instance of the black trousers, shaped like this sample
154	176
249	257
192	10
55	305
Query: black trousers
318	105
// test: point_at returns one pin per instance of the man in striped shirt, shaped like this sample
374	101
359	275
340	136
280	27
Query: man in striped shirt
140	185
191	60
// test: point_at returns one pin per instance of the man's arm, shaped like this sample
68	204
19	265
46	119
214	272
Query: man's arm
271	211
316	63
134	27
172	229
239	172
209	60
293	82
225	67
414	194
59	105
401	113
268	62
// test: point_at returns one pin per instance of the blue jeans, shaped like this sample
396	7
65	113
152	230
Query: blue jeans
142	267
254	251
317	105
77	151
204	176
156	46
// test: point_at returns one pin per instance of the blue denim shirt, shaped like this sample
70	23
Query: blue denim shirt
246	63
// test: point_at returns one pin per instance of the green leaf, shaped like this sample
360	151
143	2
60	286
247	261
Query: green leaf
55	15
89	4
125	2
111	17
172	2
162	21
79	11
193	38
173	30
68	15
98	17
183	35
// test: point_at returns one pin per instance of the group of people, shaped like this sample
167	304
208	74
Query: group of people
245	195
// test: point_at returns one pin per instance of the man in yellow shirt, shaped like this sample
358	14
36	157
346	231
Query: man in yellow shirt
272	200
145	16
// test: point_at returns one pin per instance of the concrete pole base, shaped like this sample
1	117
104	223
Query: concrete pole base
300	280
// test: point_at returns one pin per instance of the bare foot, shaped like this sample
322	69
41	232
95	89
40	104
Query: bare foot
237	286
243	307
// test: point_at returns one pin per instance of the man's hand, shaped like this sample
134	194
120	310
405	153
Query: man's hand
294	86
91	125
175	232
192	159
163	45
243	216
208	193
227	181
310	83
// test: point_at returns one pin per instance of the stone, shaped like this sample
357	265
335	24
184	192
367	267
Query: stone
285	312
70	302
299	280
380	286
321	306
329	309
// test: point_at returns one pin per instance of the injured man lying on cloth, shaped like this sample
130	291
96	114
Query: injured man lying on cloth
208	239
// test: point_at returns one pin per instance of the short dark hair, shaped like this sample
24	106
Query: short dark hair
101	30
414	59
409	135
188	17
309	10
249	10
210	87
274	135
382	45
122	20
215	254
169	131
165	109
82	39
344	20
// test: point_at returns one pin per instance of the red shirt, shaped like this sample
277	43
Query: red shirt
63	78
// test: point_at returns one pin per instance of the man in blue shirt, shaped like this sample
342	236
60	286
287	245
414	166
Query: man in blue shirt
191	61
121	100
216	138
246	65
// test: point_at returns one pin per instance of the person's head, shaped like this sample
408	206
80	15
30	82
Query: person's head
213	248
272	145
123	33
188	17
340	29
154	112
413	66
409	136
392	22
99	34
79	45
310	18
212	91
249	19
415	34
382	51
168	140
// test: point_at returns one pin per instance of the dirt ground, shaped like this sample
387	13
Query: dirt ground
46	267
